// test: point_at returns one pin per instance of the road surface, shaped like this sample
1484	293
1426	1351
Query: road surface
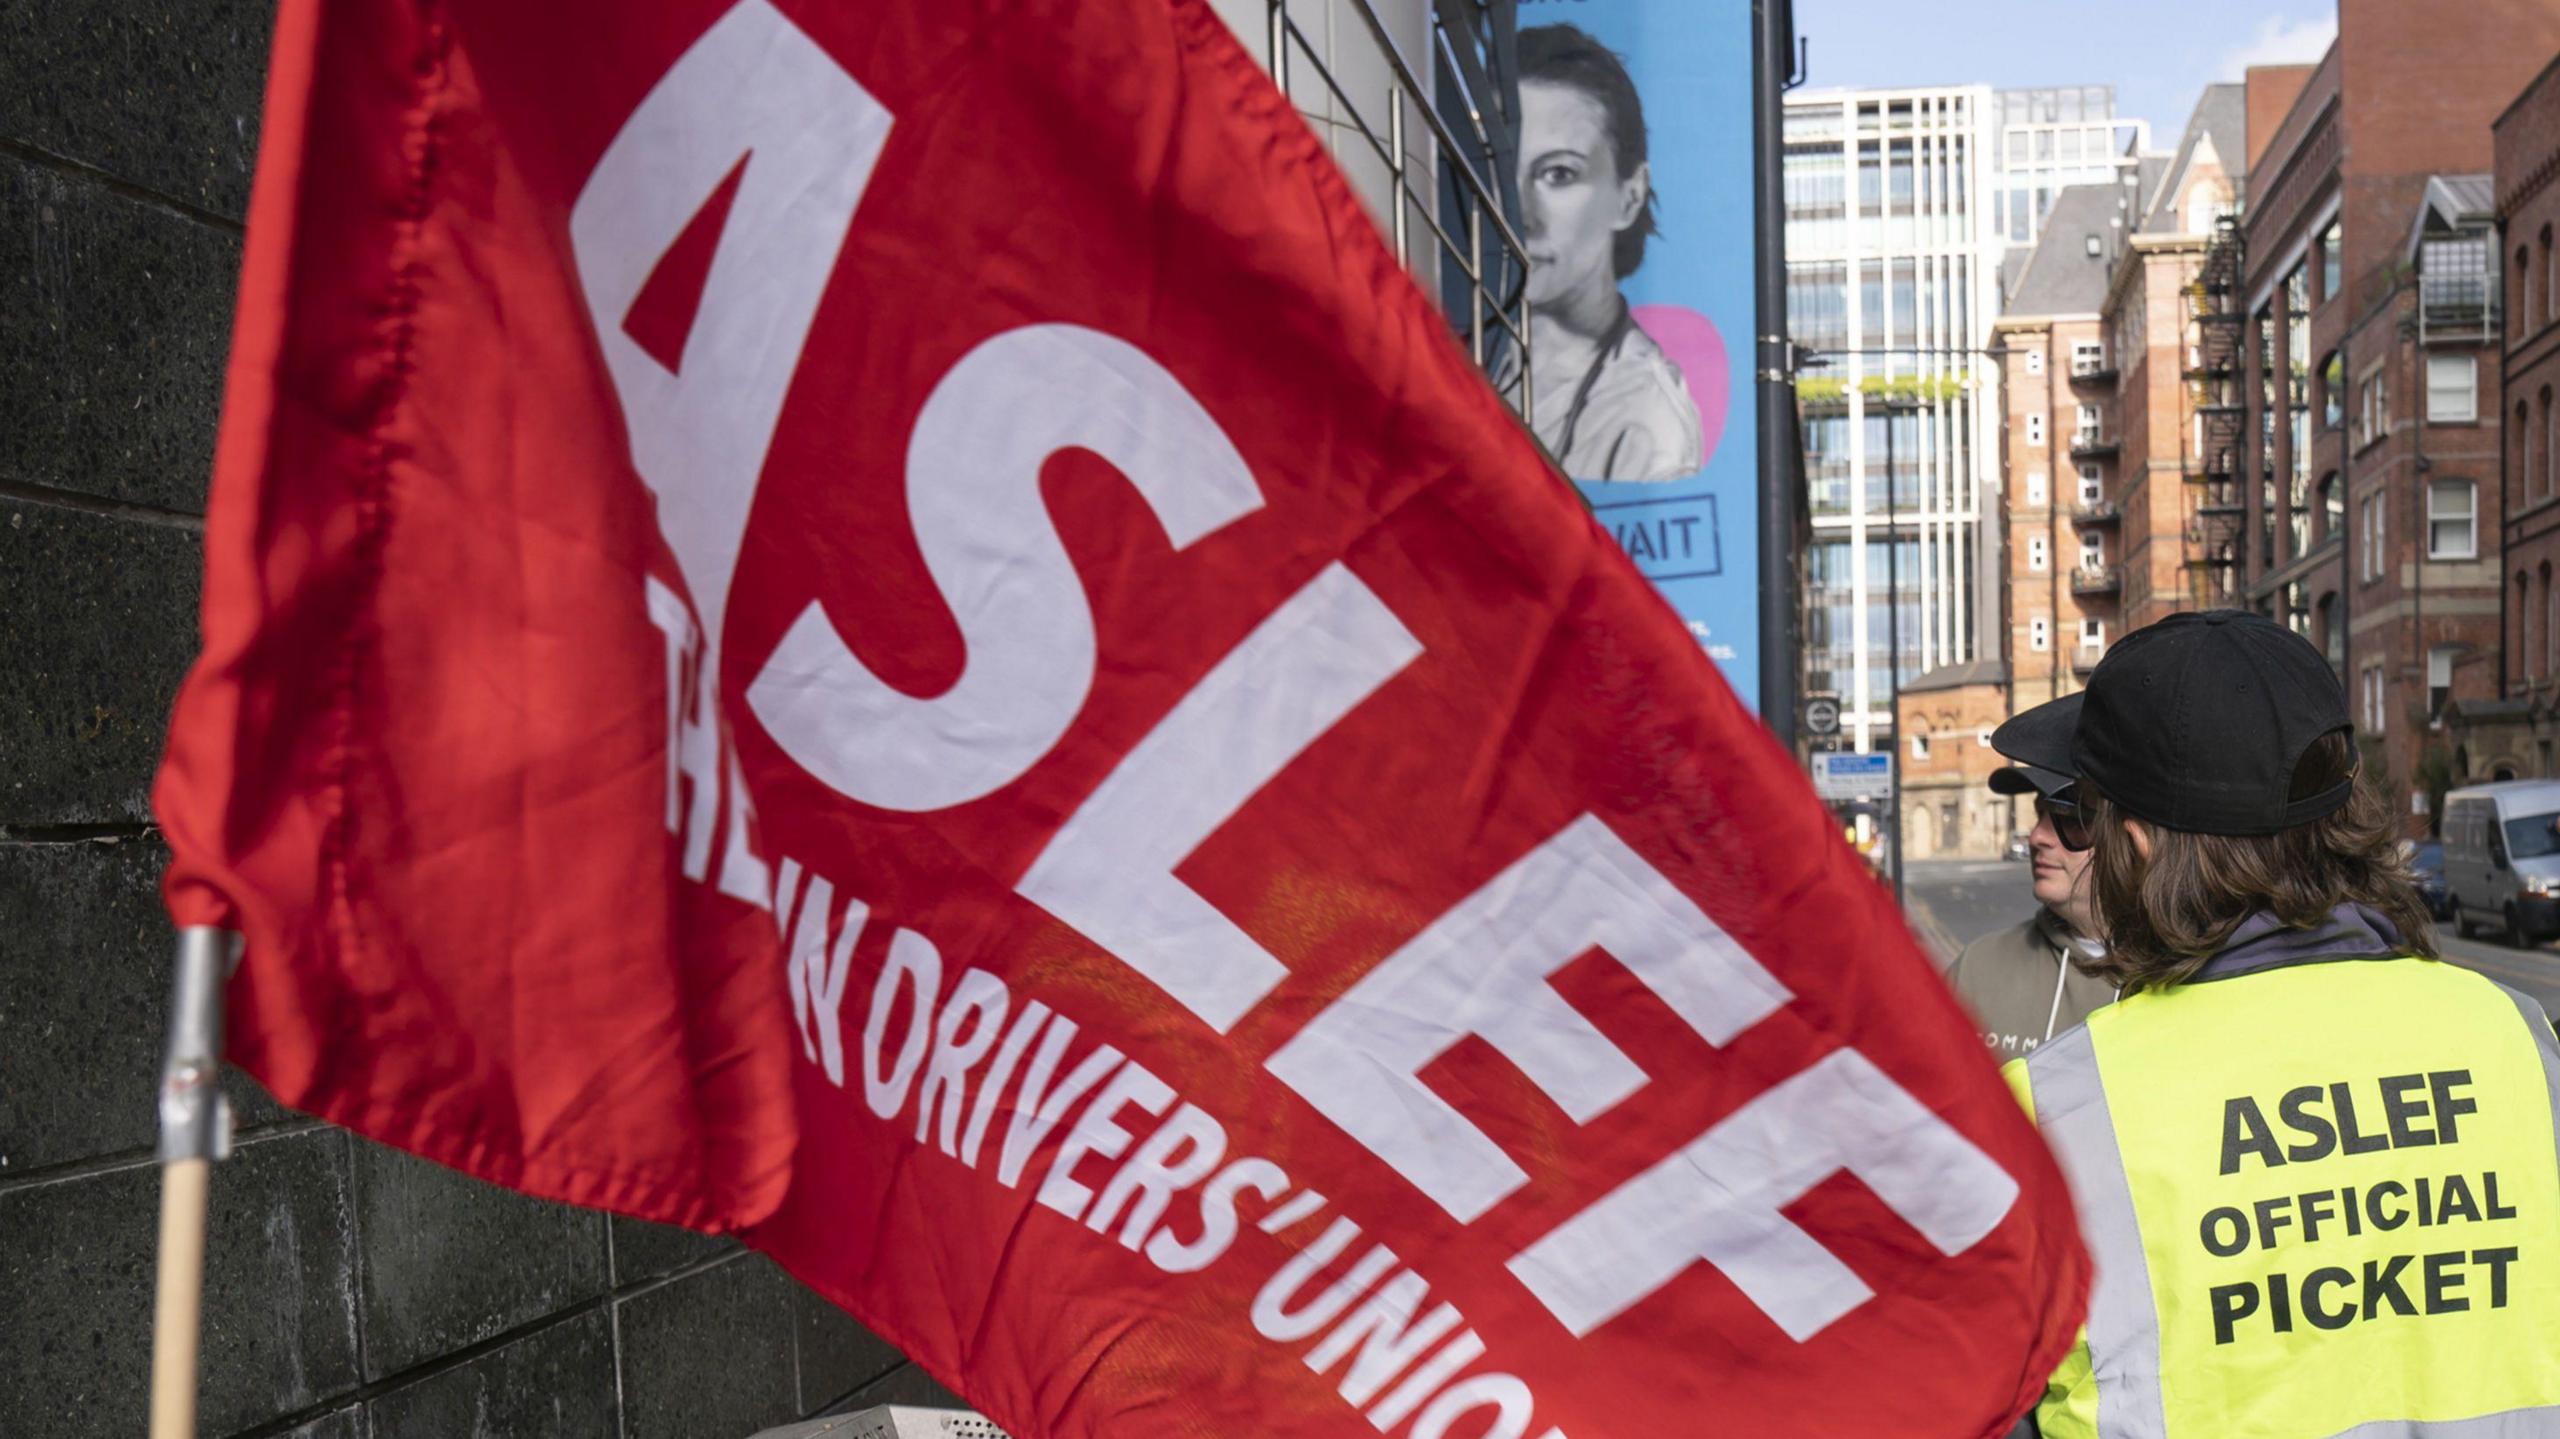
1954	902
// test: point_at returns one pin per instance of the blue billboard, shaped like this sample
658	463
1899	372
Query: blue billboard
1636	208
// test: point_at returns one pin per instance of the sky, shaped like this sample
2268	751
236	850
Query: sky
2157	53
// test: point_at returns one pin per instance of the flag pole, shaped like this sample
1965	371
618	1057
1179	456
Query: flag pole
195	1131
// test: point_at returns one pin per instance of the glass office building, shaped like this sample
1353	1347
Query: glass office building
1892	279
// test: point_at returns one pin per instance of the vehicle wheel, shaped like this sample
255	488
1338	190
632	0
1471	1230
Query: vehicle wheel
2460	917
2513	938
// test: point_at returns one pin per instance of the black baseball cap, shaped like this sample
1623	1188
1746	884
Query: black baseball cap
2032	779
2039	740
2197	722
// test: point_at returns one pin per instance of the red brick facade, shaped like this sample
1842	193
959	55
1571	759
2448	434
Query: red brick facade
1946	719
2370	457
2062	568
2515	734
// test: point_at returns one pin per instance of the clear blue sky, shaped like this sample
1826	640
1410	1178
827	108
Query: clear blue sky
2157	53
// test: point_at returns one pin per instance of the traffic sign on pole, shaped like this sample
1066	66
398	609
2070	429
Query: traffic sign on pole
1853	776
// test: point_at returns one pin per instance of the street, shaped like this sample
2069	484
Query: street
1953	902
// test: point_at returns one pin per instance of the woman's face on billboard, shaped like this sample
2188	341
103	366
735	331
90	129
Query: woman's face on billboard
1572	197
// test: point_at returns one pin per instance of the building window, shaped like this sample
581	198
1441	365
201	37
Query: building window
1919	746
2035	362
2524	292
2088	356
2551	298
2550	450
2035	553
2333	390
2551	444
2374	524
2039	634
1982	739
2373	699
2035	487
2440	676
2333	263
2087	428
2092	487
2373	410
2453	389
2524	626
2451	531
2035	429
2524	450
2093	550
2093	636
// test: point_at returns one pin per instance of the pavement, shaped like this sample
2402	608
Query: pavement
1951	903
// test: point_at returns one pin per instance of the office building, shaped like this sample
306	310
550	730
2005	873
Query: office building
1891	281
2049	140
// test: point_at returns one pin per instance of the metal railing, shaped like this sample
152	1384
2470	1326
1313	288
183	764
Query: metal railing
2095	579
1471	210
2457	290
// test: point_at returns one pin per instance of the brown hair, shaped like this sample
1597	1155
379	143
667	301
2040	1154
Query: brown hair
2166	916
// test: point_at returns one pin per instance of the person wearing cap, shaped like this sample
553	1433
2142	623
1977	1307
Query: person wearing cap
2315	1166
2031	981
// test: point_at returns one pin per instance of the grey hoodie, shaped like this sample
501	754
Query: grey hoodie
2022	985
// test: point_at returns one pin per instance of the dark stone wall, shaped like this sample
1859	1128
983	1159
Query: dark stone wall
352	1292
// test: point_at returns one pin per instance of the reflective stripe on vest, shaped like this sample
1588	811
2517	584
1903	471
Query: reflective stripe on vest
2351	1176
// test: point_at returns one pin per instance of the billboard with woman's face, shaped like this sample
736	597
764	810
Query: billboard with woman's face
1635	199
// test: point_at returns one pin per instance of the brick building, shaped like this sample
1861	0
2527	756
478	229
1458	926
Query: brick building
2060	437
2506	723
2368	448
2176	527
1946	718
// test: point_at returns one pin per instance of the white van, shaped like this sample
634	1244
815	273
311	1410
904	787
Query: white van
2502	858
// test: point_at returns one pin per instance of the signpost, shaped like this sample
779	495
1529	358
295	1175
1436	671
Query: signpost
1841	777
1822	716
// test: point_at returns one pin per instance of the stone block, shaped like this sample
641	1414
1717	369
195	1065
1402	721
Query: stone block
163	94
836	1354
76	1262
553	1383
100	628
709	1353
86	947
450	1261
115	324
642	1250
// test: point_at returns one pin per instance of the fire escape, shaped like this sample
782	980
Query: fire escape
2216	518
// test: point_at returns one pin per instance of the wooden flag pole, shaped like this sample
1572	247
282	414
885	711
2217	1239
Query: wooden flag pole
195	1130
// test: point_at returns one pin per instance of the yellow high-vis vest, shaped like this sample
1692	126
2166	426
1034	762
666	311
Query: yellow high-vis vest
2324	1200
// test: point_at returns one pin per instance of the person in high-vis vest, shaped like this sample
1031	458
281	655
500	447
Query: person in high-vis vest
2316	1166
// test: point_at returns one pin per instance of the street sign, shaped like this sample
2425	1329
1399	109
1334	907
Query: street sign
1822	716
1853	776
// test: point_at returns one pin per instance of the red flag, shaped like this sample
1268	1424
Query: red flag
891	624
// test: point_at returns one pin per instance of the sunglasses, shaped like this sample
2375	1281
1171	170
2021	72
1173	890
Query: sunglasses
2070	822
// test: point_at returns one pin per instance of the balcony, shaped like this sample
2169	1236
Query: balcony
2457	290
2096	580
2096	512
2100	373
2090	445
